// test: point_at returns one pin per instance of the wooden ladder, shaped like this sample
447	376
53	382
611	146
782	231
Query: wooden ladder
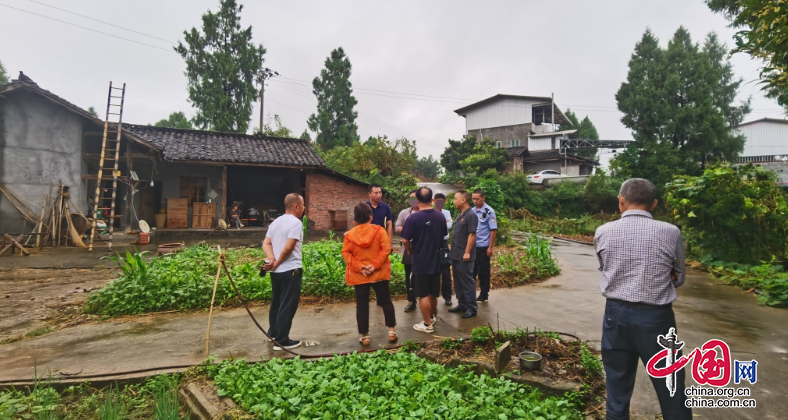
106	186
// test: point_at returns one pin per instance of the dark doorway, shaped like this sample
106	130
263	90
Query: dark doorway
262	188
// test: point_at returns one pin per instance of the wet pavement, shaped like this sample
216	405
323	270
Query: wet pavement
568	303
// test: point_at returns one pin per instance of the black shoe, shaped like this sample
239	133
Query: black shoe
448	301
410	307
469	314
289	344
482	299
456	309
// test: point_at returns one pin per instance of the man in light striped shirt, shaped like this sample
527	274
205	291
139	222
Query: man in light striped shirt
642	263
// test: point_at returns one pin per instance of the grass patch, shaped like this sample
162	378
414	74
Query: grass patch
379	385
133	402
769	280
185	280
533	260
581	228
39	331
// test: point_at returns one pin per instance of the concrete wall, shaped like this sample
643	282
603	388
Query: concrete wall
325	193
504	134
40	147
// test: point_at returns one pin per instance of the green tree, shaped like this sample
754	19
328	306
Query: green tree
376	156
275	128
93	111
678	102
585	130
221	66
3	74
305	135
175	120
428	168
763	34
473	156
335	120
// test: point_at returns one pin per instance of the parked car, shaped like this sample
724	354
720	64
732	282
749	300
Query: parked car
539	177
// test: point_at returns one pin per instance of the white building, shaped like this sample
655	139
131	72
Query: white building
526	127
767	145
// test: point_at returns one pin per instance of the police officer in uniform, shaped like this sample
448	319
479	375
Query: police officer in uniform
485	242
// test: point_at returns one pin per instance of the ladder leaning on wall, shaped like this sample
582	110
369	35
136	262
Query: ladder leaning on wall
107	185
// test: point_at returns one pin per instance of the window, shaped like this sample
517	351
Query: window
498	144
193	188
516	143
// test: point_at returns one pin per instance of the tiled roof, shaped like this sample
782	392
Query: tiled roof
517	151
219	147
31	86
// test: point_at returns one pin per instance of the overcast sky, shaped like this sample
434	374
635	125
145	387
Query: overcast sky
414	62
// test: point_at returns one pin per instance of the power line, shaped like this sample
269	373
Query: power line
101	21
83	27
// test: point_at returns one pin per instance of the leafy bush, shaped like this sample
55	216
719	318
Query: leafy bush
600	193
185	280
492	192
734	214
585	225
481	334
380	385
534	260
768	280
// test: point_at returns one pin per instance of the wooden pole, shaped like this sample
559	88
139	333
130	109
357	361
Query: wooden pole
41	223
59	216
72	230
213	296
224	192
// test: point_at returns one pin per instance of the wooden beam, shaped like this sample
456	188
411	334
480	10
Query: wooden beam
224	191
97	156
103	178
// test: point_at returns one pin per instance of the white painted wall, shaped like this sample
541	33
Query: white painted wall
541	143
502	112
765	138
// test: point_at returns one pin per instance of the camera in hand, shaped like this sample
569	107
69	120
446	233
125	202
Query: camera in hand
262	269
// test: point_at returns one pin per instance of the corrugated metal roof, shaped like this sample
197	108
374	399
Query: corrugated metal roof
555	133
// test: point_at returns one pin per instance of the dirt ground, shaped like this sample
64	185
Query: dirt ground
37	300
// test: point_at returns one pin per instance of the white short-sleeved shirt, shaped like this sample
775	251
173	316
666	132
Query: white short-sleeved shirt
283	228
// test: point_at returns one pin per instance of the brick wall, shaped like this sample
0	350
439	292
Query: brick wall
326	192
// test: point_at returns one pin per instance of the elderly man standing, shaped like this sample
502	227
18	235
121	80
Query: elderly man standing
642	264
282	247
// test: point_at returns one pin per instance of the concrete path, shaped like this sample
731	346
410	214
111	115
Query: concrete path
569	303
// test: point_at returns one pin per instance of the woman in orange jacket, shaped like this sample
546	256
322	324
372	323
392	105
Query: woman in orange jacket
366	251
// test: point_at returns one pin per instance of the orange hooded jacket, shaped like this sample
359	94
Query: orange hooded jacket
366	244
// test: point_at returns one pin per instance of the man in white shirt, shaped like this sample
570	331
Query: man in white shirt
439	202
282	247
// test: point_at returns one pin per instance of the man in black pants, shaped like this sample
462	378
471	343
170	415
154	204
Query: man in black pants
485	242
406	257
284	238
642	264
439	201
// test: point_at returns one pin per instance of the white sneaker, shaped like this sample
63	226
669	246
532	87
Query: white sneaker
289	344
433	319
423	328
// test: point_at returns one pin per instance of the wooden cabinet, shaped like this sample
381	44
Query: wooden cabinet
177	213
203	214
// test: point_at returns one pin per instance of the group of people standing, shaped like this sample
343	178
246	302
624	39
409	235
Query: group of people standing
424	227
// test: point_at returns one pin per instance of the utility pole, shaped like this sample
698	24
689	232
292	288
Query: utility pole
264	75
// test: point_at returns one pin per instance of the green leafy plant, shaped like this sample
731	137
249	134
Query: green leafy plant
451	343
379	385
481	334
591	362
732	213
113	406
185	280
769	279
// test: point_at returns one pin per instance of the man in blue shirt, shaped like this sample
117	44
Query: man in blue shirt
422	236
485	242
381	212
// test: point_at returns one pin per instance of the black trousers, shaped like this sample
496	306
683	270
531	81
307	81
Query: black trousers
630	333
383	296
409	283
446	279
482	269
286	291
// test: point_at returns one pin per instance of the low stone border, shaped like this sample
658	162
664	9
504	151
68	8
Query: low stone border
549	387
201	398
